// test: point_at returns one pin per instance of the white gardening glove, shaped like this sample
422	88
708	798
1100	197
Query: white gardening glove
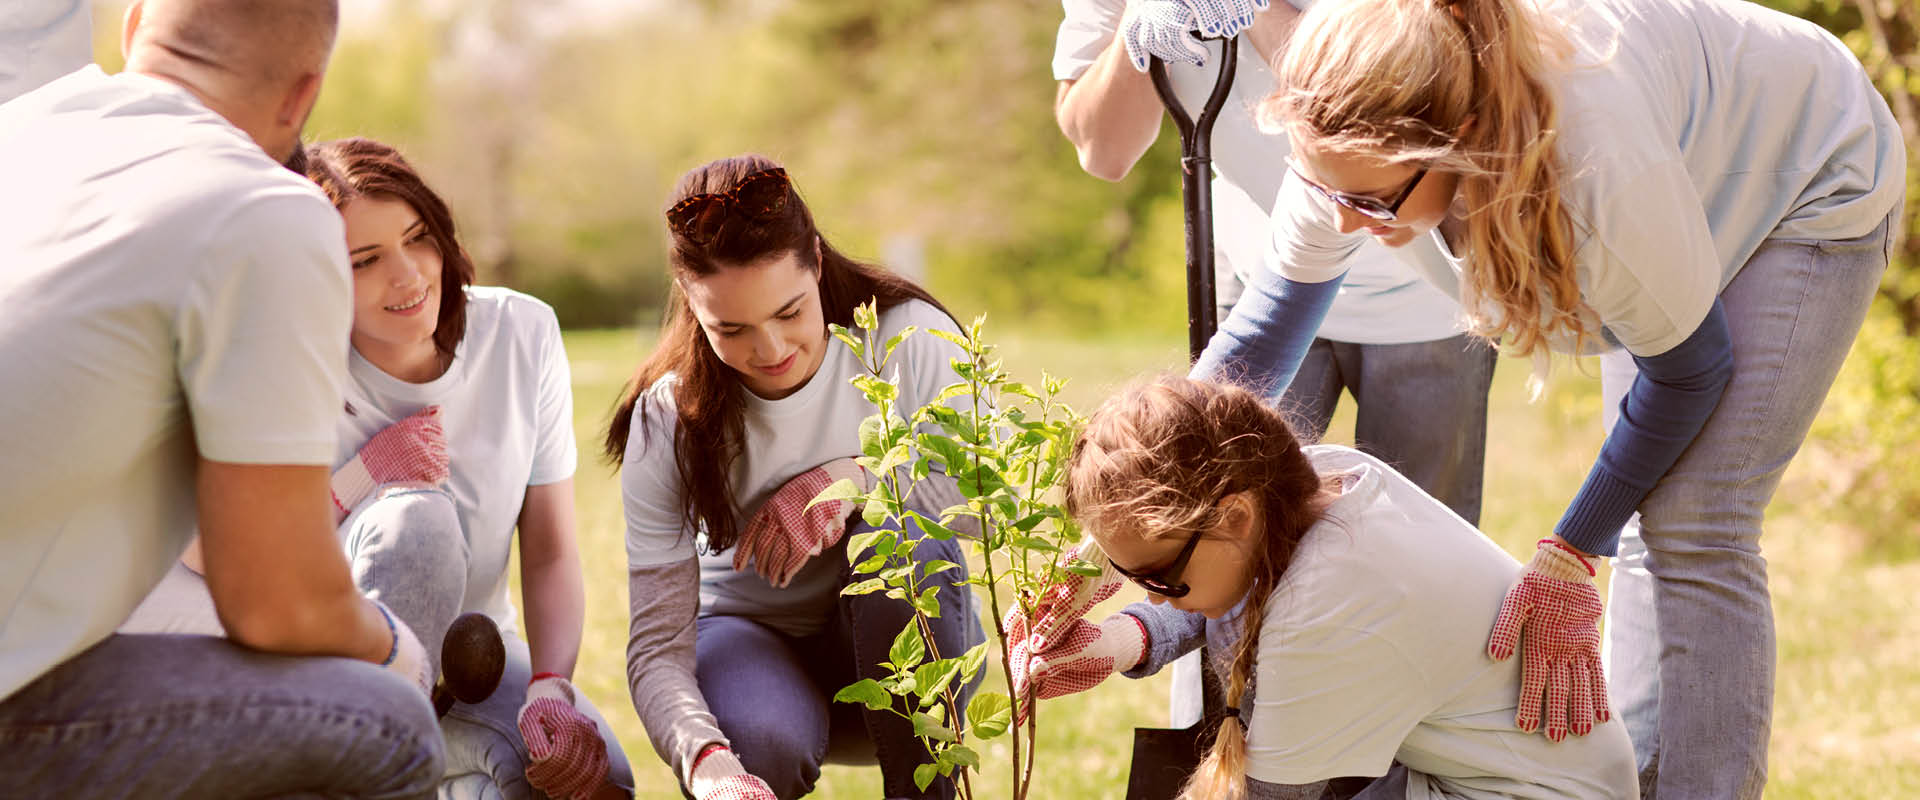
566	757
1162	28
406	656
790	528
1224	19
718	775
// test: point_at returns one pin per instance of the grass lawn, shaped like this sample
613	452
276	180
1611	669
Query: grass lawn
1847	711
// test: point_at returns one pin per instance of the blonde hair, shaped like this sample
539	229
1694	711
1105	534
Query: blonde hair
1460	87
1155	461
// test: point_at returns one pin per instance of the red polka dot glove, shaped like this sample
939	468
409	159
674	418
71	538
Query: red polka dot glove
1553	615
790	528
413	450
566	758
1058	652
718	775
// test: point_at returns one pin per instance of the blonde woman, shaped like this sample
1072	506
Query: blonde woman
1706	184
1355	603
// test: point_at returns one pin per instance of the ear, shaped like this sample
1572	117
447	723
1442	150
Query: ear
129	23
1240	516
298	101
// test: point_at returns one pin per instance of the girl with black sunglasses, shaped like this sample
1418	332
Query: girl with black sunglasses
1352	606
740	417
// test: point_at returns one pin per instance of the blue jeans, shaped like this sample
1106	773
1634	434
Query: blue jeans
1422	408
1690	640
772	694
159	716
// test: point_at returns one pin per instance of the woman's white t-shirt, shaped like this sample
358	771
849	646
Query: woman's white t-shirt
1692	131
507	408
1373	650
784	438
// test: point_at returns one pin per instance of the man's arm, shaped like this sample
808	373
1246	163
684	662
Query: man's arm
279	580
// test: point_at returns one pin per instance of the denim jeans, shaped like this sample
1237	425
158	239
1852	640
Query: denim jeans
1422	408
160	716
407	549
1690	640
772	694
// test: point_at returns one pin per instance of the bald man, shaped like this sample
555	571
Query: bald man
177	308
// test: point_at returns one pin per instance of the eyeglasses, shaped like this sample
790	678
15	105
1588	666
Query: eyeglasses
1165	581
757	196
1370	207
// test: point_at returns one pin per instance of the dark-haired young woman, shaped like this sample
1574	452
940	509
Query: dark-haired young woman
458	433
736	421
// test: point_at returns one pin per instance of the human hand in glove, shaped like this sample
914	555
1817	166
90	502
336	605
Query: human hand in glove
718	775
1163	28
790	528
566	758
1057	651
413	450
1552	614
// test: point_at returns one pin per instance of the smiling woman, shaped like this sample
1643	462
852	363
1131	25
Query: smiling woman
725	434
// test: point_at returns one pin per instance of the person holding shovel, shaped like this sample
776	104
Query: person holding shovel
1396	343
456	434
742	415
1707	189
1361	600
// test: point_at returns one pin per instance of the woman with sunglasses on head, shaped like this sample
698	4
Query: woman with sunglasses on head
1347	605
457	435
1710	186
739	418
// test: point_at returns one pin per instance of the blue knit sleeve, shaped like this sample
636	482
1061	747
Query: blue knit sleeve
1261	344
1171	633
1663	412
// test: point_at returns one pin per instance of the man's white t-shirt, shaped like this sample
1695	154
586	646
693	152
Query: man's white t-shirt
1693	130
507	408
41	40
1381	301
1373	650
171	293
784	438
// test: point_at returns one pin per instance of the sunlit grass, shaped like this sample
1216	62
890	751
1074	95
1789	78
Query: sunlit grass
1847	713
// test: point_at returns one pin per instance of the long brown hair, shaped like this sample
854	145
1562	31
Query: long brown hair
706	392
1155	461
1460	86
349	169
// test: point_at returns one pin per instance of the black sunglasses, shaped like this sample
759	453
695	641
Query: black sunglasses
757	196
1370	207
1165	581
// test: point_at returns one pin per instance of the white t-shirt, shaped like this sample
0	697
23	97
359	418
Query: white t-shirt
41	40
1381	301
1373	650
507	408
784	438
170	292
1693	131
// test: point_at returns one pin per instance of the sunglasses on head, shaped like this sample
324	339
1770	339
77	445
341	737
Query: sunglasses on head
1165	581
1369	207
757	196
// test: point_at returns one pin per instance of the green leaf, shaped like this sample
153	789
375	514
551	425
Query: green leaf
900	337
874	514
866	315
936	567
926	727
1083	568
989	714
909	648
868	586
1028	522
950	336
931	678
867	692
842	489
853	343
971	663
923	775
871	429
938	531
1036	543
875	389
872	563
858	543
928	602
961	755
